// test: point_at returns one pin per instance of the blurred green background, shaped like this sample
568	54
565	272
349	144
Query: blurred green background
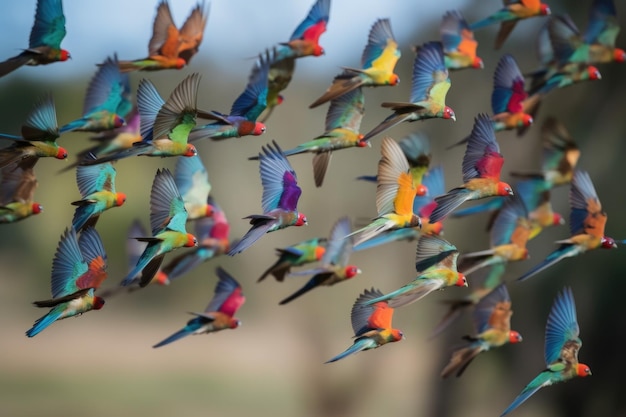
103	364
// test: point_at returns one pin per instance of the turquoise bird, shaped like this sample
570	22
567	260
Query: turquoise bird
429	88
343	121
44	45
279	201
165	125
380	56
561	349
436	265
218	315
17	194
302	253
492	321
107	102
96	184
167	221
213	241
335	267
78	269
192	180
38	137
242	120
371	325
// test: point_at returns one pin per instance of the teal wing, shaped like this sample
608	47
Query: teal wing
434	250
192	179
41	123
67	266
485	308
251	103
562	325
507	220
94	178
108	90
167	209
49	27
429	70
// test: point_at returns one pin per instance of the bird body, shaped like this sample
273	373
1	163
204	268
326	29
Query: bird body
302	253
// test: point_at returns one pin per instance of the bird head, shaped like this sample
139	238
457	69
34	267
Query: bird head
421	190
544	10
259	129
351	271
191	241
557	219
429	228
190	150
619	55
526	120
64	55
319	252
61	153
318	50
448	113
279	99
36	208
478	63
593	73
234	323
583	370
394	79
461	281
608	243
397	335
180	63
514	337
98	303
117	121
301	220
208	210
504	189
120	198
161	278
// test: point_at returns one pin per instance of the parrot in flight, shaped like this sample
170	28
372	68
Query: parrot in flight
371	325
459	44
192	180
561	349
44	45
302	253
17	193
219	314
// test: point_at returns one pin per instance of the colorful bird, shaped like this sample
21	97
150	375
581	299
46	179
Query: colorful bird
377	64
220	312
343	121
107	102
279	201
561	349
38	137
44	45
371	325
212	234
96	184
587	222
78	269
459	45
428	91
307	251
193	183
335	267
167	221
512	12
169	47
245	110
17	193
436	269
482	165
509	234
165	125
492	321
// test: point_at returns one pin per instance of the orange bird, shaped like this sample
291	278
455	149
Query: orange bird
459	45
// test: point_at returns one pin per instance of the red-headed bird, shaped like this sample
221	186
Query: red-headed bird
395	193
335	267
107	102
245	110
302	253
512	12
459	44
279	201
96	184
371	325
17	193
170	47
436	265
561	349
78	269
587	223
167	221
219	314
377	64
482	165
38	137
44	45
428	91
492	321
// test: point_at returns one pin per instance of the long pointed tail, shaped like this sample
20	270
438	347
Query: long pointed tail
358	346
44	322
178	335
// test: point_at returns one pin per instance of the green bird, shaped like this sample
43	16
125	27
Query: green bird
307	251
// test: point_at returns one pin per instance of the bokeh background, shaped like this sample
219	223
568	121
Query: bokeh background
102	364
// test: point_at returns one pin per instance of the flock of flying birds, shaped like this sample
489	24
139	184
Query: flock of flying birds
411	200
